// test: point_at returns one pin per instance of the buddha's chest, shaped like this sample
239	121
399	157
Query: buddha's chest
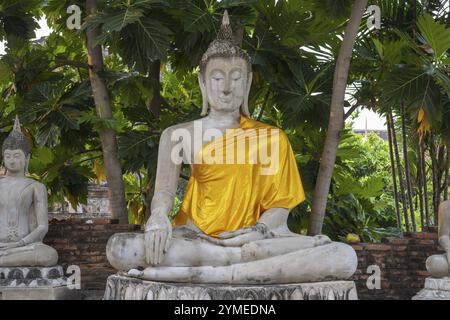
15	193
16	199
199	138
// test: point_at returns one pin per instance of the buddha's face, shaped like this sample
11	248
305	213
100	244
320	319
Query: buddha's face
15	161
225	83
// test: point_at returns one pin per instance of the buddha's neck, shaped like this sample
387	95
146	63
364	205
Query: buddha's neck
16	175
224	118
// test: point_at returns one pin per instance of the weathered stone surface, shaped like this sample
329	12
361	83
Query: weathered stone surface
31	277
435	289
121	287
34	283
23	208
39	293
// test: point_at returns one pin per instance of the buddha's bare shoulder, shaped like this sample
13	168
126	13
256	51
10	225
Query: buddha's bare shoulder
179	128
6	181
38	186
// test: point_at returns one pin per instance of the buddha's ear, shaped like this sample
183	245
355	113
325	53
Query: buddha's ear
245	110
201	82
27	162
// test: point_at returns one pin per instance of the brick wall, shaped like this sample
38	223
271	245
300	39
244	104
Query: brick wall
82	242
402	261
402	265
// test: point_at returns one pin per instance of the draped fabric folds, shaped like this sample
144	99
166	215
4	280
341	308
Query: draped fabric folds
238	176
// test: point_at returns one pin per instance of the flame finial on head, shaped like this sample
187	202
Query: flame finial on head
17	125
226	18
224	46
16	140
225	31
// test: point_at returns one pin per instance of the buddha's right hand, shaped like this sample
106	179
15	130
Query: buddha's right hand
158	233
10	245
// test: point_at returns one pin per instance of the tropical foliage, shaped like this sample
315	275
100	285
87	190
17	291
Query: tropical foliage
151	49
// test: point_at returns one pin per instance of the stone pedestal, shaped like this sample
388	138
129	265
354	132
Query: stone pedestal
435	289
121	287
34	283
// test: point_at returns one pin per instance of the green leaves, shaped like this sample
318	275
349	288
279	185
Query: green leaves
118	20
415	88
145	41
5	74
437	35
17	19
368	188
390	51
138	149
137	31
198	16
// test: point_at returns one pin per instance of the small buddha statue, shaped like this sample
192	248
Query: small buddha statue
232	225
438	265
23	209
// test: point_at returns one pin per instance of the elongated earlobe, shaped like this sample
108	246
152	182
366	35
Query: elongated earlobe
204	105
27	162
245	110
204	96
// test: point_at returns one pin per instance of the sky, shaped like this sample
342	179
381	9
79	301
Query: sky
366	117
372	119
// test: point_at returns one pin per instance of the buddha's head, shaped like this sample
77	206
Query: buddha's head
225	73
16	151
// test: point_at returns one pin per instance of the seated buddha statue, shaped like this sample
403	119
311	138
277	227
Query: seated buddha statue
232	224
438	266
23	209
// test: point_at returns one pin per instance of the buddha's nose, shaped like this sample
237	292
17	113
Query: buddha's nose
226	87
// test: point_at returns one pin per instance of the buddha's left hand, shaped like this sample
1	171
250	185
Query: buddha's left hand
240	237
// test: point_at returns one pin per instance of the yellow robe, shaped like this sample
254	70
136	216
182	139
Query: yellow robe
229	196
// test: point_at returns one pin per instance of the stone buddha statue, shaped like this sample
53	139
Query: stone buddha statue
23	209
437	286
438	266
232	225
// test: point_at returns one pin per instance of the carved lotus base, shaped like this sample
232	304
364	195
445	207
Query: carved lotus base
121	287
34	283
435	289
26	277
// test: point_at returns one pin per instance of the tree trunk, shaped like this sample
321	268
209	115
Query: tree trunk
420	179
148	195
394	175
434	174
424	181
154	102
238	34
446	175
407	172
399	170
336	119
113	169
264	104
154	106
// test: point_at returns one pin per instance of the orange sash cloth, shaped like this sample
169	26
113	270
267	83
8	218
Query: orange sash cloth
228	196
